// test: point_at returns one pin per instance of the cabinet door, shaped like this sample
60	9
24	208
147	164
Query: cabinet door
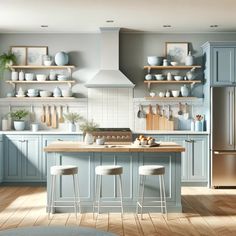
31	158
1	159
12	158
47	139
223	66
181	140
198	158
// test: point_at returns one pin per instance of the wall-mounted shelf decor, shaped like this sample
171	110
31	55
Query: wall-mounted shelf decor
192	82
149	68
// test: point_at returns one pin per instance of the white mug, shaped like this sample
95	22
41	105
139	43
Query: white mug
34	127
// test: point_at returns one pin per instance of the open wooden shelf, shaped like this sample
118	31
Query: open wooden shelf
40	82
42	67
9	99
172	67
172	82
179	99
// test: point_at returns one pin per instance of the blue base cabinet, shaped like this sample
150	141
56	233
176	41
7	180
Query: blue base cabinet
1	158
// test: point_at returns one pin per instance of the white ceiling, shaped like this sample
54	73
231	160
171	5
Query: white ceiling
72	16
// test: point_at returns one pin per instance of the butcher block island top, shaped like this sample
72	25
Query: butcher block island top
69	146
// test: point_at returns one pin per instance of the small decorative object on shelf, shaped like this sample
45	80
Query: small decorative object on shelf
14	75
198	123
165	62
72	119
21	76
57	92
148	77
154	60
88	127
61	58
191	74
189	59
184	90
18	118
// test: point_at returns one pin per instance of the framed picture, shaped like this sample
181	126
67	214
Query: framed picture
20	53
35	55
176	51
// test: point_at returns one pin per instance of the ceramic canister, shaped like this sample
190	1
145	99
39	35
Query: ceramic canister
61	59
189	59
14	75
184	91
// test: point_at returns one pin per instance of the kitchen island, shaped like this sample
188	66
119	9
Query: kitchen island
130	157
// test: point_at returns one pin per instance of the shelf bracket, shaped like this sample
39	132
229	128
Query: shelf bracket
192	85
149	86
70	85
13	85
149	69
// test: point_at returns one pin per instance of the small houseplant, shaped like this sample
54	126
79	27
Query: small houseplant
88	127
18	118
7	60
72	118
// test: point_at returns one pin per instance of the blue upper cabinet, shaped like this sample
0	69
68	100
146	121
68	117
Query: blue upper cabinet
220	59
223	66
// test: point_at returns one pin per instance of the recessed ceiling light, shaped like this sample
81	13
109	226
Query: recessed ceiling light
214	26
167	26
44	26
110	21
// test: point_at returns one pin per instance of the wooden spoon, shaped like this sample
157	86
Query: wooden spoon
61	118
48	116
43	118
54	118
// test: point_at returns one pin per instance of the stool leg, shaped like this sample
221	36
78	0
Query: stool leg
53	193
164	192
50	197
121	195
139	188
96	195
75	204
161	191
142	199
78	193
99	192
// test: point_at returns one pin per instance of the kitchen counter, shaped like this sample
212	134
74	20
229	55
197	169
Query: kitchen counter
81	147
170	132
130	157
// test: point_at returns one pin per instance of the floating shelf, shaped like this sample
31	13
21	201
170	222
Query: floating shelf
174	99
192	82
40	82
172	67
30	99
42	67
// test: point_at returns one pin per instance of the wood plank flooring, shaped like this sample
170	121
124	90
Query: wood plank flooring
205	212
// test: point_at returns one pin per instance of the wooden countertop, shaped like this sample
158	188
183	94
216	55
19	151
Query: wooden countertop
65	146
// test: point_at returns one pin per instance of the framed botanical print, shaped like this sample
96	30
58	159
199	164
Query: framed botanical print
35	55
176	51
20	53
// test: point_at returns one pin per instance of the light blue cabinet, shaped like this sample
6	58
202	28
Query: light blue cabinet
1	158
220	59
22	158
46	140
194	162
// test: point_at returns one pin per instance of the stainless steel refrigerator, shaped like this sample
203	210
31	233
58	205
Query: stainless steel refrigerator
223	133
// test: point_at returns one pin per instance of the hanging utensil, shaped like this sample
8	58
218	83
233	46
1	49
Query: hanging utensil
139	111
143	113
186	113
156	118
54	118
43	118
61	118
48	116
149	119
180	113
32	114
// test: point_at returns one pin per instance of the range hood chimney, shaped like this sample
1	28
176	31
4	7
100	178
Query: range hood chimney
109	76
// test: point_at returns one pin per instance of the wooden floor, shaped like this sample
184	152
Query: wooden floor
205	212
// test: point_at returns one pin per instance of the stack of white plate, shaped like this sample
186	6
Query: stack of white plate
33	93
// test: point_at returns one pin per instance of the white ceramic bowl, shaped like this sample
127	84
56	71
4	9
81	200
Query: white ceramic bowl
32	91
161	94
148	77
29	76
154	60
178	77
41	77
175	93
66	93
47	63
159	77
45	93
152	94
174	63
62	77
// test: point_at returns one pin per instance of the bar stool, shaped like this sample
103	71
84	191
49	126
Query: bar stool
60	171
149	170
107	170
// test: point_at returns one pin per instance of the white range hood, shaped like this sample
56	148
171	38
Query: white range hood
109	76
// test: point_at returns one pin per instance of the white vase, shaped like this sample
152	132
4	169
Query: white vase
189	59
19	125
5	124
14	75
71	127
184	91
88	139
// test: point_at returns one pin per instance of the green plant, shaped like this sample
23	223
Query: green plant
19	114
73	117
88	126
6	60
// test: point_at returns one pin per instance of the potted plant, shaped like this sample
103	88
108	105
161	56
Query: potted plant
18	118
88	127
72	118
7	60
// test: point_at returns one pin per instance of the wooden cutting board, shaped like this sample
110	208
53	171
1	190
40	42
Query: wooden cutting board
54	118
149	118
156	118
43	118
